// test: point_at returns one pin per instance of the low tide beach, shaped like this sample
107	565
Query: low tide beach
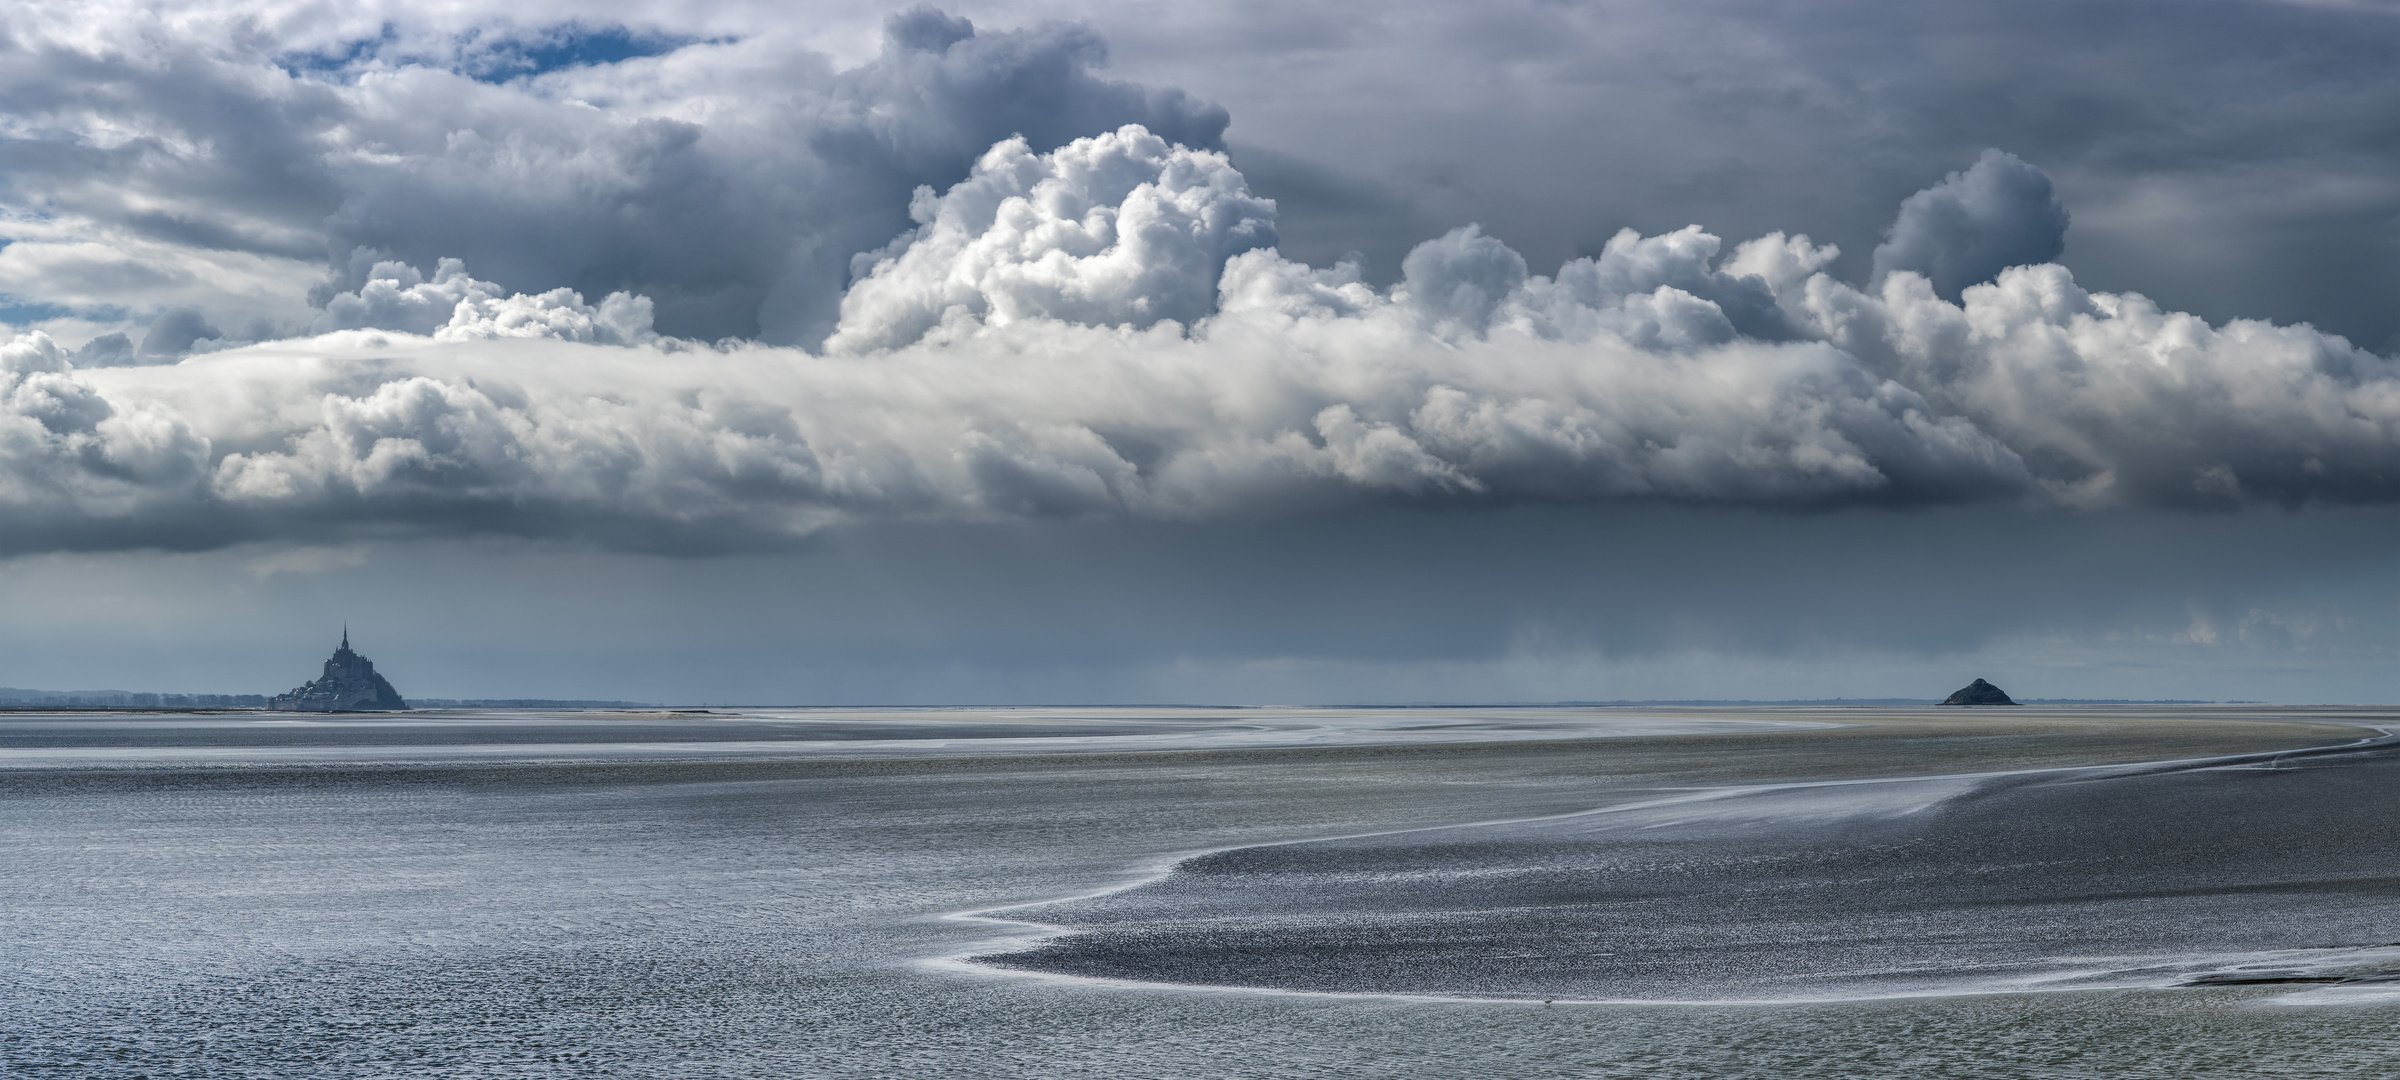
2104	892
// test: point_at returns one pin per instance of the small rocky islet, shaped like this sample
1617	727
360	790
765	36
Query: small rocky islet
1980	692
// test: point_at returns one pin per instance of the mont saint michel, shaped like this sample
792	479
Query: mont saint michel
349	684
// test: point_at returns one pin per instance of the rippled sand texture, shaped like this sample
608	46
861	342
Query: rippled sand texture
2261	869
772	894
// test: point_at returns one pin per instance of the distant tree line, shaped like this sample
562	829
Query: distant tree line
525	703
125	699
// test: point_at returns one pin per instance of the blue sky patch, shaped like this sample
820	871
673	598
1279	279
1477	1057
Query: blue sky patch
559	48
340	56
17	311
500	55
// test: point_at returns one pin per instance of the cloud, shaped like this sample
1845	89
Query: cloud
730	182
1974	224
2205	166
453	306
105	350
1124	229
1104	328
1079	366
307	560
224	157
74	463
199	159
1091	358
2112	401
175	331
1458	281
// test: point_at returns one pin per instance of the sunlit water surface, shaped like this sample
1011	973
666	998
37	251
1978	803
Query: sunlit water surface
775	894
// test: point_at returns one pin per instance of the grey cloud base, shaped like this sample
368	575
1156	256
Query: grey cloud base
1096	331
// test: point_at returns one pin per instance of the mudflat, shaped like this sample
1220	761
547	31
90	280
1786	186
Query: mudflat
1908	854
768	892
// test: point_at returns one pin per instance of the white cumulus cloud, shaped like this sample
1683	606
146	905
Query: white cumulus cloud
1102	329
1121	229
453	306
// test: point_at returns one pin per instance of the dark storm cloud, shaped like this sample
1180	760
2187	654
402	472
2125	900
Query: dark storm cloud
175	332
2237	159
1974	224
2234	160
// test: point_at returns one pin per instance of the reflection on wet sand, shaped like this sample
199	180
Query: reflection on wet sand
2274	867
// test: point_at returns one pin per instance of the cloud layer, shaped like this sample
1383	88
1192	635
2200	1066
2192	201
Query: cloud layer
1101	330
1974	224
206	158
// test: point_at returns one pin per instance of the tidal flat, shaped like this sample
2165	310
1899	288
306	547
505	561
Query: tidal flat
1201	892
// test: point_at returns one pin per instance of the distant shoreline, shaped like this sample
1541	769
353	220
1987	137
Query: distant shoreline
18	700
12	700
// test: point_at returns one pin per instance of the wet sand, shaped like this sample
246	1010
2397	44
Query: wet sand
484	896
1777	874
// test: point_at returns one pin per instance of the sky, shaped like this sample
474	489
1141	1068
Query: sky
1241	353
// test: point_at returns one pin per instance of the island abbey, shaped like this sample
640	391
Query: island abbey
349	684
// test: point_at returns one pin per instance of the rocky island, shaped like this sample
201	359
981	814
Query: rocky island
1979	692
349	684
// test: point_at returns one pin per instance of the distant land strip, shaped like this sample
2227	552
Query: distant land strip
125	699
18	698
1904	702
528	703
12	697
1799	702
